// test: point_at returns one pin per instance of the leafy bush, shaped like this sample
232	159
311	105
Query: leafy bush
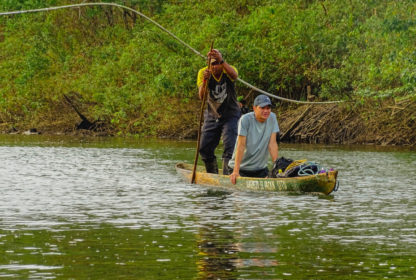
122	64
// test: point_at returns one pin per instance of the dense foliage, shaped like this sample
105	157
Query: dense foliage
125	68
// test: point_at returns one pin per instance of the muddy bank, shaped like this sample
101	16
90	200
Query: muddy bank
379	123
375	122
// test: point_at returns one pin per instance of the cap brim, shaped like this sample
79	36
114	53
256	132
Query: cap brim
265	104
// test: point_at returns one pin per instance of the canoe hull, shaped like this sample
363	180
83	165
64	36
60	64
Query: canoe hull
322	183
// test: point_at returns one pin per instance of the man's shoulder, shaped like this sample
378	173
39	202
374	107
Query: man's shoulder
200	77
272	122
202	69
249	115
225	72
272	118
233	67
247	118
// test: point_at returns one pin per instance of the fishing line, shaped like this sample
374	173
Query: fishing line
168	32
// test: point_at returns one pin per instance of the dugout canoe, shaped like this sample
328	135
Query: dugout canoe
321	183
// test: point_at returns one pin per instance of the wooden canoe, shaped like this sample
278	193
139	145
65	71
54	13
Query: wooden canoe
321	183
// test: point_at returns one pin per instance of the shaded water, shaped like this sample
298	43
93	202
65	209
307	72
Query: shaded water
115	208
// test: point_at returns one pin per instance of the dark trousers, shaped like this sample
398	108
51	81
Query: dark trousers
261	173
211	135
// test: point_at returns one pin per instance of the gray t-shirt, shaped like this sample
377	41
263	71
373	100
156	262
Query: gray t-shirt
257	142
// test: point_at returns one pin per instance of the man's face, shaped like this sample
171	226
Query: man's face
216	68
262	113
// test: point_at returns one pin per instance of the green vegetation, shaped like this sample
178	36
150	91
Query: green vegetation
136	78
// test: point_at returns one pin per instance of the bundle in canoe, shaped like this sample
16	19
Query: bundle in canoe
320	183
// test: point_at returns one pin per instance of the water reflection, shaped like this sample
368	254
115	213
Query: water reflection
216	258
224	252
216	246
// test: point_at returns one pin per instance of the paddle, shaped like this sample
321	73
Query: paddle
201	115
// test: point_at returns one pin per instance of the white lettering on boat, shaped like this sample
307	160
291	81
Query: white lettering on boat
281	186
266	185
252	185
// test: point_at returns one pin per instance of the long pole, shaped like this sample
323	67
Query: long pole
201	116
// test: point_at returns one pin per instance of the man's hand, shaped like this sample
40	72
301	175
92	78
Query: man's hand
233	177
241	146
215	54
207	74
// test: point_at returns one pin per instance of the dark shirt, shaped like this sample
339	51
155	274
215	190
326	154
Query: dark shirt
222	96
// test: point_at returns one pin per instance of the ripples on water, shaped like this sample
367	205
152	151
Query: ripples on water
125	209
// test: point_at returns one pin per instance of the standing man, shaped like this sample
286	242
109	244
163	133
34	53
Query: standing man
223	112
256	139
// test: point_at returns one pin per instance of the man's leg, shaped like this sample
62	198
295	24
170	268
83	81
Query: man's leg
210	139
225	168
229	136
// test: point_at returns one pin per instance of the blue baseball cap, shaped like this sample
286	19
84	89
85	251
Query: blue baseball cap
262	101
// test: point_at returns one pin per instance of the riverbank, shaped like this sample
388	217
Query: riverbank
374	122
128	77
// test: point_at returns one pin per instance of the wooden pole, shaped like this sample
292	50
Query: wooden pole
201	116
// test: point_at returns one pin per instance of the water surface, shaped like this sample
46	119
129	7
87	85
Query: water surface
115	208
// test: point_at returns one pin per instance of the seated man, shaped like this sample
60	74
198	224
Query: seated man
256	138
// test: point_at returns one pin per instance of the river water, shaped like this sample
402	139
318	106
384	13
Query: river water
110	208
